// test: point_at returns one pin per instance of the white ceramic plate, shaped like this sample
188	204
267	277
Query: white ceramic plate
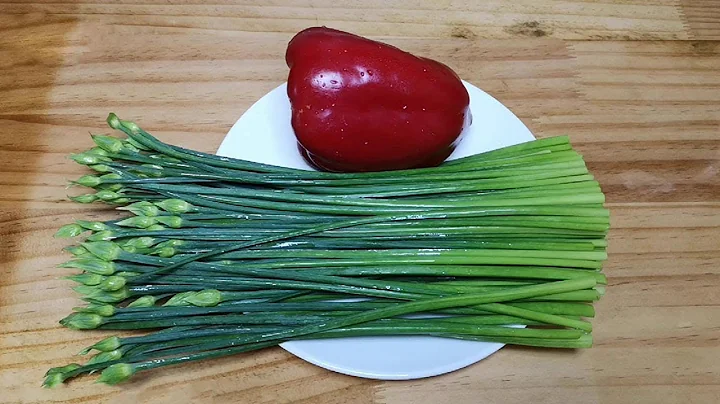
263	134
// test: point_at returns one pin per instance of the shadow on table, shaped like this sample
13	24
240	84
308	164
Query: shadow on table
32	46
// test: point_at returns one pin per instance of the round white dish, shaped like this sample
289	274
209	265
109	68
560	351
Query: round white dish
264	134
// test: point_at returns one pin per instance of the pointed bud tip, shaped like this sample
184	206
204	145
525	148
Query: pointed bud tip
100	168
92	225
116	373
104	235
165	252
108	356
108	143
69	230
76	250
90	181
107	195
105	250
140	222
85	198
144	301
113	121
179	299
82	321
101	309
63	369
113	283
88	279
108	344
175	206
53	380
174	222
205	298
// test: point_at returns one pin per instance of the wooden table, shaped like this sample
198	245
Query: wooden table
635	83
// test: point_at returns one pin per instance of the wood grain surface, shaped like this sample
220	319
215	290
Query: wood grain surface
636	84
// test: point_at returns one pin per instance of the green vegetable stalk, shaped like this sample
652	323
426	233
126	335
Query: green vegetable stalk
220	256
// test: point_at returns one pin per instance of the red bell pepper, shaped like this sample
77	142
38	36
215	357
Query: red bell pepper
362	105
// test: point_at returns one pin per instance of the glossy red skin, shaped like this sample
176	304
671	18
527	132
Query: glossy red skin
361	105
